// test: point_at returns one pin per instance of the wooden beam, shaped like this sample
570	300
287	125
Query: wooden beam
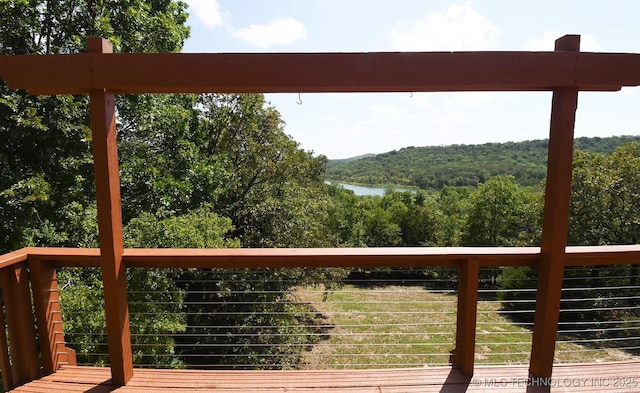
555	222
105	156
13	257
463	355
319	72
602	255
327	257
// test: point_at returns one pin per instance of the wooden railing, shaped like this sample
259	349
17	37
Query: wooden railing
101	74
30	291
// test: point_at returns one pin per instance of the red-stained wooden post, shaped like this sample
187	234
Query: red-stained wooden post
47	305
105	156
556	222
20	324
462	357
5	363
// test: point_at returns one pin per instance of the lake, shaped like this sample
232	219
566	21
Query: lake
363	190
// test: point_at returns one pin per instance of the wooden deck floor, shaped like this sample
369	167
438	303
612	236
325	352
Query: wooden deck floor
619	377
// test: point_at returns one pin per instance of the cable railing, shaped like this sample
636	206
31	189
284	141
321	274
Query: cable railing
604	316
353	308
380	318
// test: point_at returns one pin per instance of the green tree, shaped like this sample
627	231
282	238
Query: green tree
228	155
155	313
604	200
272	190
453	203
346	217
46	185
417	215
229	151
163	169
605	196
496	214
380	228
45	147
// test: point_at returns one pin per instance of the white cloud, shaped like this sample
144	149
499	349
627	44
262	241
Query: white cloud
207	11
546	42
459	27
283	31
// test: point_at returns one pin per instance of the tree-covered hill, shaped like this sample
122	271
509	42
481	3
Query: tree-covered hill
333	163
433	167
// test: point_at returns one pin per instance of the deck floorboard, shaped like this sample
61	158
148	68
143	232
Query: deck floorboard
618	377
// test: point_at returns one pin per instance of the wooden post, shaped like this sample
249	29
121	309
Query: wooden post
556	222
105	156
464	353
47	305
5	363
20	324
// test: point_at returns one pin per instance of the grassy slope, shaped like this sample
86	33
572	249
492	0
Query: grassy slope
364	335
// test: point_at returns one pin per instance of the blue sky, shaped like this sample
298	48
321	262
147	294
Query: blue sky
346	125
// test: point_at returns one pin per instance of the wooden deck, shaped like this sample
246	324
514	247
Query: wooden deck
619	377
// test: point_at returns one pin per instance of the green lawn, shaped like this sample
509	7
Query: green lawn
409	326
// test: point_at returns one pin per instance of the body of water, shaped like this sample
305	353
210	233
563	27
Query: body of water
364	190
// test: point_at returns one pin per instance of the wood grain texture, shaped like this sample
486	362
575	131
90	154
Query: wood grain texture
555	223
107	180
319	72
326	257
511	379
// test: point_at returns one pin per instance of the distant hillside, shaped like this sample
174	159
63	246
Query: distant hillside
434	167
333	163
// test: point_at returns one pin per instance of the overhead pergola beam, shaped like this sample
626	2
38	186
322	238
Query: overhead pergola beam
320	72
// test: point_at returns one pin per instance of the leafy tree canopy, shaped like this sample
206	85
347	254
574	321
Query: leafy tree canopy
605	197
46	185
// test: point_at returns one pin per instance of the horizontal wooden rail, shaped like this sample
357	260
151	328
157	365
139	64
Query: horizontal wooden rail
602	255
66	257
319	72
13	257
326	257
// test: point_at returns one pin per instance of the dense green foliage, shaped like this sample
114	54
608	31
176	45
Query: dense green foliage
46	185
196	171
434	167
604	210
502	214
498	213
46	180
